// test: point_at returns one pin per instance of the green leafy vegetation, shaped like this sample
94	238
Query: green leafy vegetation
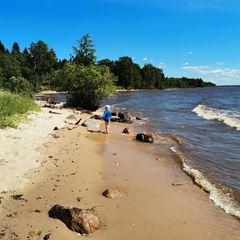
87	80
35	234
86	85
13	109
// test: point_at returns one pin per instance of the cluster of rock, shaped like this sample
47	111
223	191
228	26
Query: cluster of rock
83	221
122	117
86	221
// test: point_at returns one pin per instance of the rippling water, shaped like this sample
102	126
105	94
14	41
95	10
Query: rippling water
207	122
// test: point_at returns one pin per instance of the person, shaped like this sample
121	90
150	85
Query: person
107	118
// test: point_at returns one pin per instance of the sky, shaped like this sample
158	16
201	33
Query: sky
185	38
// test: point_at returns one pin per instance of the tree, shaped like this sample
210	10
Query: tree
2	48
125	70
85	53
87	85
153	77
26	64
42	62
109	63
15	49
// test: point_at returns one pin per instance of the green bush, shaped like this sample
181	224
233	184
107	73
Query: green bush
87	86
19	85
13	108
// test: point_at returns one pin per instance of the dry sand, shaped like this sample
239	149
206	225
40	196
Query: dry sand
71	164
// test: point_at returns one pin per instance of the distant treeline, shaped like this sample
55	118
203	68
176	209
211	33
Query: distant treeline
132	76
36	67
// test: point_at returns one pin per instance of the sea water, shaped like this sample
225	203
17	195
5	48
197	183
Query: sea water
206	124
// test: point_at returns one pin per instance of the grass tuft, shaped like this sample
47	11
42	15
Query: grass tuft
14	108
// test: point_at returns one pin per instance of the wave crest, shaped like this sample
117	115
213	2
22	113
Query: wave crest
226	202
230	118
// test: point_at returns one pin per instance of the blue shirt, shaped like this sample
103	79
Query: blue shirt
107	116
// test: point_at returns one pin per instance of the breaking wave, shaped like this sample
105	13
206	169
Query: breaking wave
225	201
230	118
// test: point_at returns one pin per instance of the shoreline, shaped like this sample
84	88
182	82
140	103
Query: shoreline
78	163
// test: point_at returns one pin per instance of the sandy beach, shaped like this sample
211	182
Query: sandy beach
73	166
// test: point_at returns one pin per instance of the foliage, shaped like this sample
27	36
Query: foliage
153	78
85	52
42	62
187	82
19	85
39	66
86	85
13	108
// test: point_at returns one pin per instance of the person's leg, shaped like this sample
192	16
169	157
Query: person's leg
107	126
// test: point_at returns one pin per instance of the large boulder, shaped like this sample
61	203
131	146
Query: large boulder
83	221
125	117
71	119
144	138
91	123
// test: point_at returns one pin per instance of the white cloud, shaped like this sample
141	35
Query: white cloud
219	63
161	65
220	76
145	59
189	53
186	63
195	68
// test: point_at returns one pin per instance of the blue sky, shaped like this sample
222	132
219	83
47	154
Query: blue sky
185	38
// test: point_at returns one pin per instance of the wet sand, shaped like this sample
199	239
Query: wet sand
161	201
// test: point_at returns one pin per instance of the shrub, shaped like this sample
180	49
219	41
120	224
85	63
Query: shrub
13	108
87	85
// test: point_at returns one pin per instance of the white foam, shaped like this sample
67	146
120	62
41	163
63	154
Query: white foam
230	118
227	203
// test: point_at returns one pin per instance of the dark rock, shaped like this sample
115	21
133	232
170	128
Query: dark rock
126	130
125	117
47	236
54	112
77	122
113	193
144	138
83	221
97	116
115	119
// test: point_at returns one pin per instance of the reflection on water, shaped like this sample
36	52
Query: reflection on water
56	97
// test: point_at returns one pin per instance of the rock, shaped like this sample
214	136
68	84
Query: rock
83	221
150	134
115	119
71	119
113	193
47	236
125	117
76	123
144	138
126	130
91	123
54	112
97	116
